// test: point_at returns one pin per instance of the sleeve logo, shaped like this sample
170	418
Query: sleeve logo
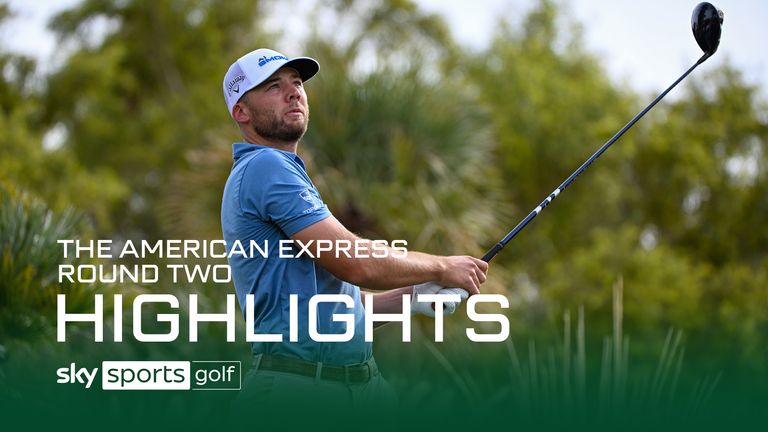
312	200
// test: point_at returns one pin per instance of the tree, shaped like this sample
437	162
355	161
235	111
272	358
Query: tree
135	99
54	174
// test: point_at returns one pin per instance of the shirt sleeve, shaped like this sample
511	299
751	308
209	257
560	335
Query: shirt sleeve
277	190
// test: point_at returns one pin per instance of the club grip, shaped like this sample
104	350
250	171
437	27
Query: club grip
492	252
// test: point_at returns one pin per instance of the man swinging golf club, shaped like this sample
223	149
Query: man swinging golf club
269	197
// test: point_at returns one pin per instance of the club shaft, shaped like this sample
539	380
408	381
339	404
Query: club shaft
523	223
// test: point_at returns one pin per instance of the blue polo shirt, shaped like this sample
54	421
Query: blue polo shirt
269	197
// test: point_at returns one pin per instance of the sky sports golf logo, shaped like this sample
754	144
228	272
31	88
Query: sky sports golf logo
156	375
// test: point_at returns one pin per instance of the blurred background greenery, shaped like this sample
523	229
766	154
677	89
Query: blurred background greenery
412	136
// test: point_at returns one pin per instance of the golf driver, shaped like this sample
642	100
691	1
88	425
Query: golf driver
706	23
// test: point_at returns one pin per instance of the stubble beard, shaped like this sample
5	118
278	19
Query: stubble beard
270	126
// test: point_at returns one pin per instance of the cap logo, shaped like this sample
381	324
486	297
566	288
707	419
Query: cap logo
234	85
264	60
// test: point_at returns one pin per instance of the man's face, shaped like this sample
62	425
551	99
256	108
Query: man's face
278	107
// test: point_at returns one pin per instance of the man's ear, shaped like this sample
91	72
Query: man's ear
240	114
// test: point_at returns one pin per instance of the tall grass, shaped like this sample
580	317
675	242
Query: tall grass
557	382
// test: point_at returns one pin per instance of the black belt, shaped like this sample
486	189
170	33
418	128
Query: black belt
355	373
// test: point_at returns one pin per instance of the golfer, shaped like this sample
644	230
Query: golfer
269	196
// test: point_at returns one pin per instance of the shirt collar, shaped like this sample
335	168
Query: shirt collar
241	149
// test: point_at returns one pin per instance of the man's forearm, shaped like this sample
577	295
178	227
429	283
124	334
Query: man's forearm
393	270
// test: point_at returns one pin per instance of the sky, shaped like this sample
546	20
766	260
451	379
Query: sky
644	45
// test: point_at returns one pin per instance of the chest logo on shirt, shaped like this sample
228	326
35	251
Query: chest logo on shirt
313	201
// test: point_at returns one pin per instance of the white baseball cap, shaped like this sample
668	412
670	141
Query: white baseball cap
255	67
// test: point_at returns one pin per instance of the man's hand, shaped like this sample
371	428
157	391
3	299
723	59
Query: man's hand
428	308
463	272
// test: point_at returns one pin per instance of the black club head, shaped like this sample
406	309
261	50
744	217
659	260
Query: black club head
706	23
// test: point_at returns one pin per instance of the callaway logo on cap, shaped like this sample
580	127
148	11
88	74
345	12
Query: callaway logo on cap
253	68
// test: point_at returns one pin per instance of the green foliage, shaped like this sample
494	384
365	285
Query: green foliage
669	286
388	149
29	267
709	159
